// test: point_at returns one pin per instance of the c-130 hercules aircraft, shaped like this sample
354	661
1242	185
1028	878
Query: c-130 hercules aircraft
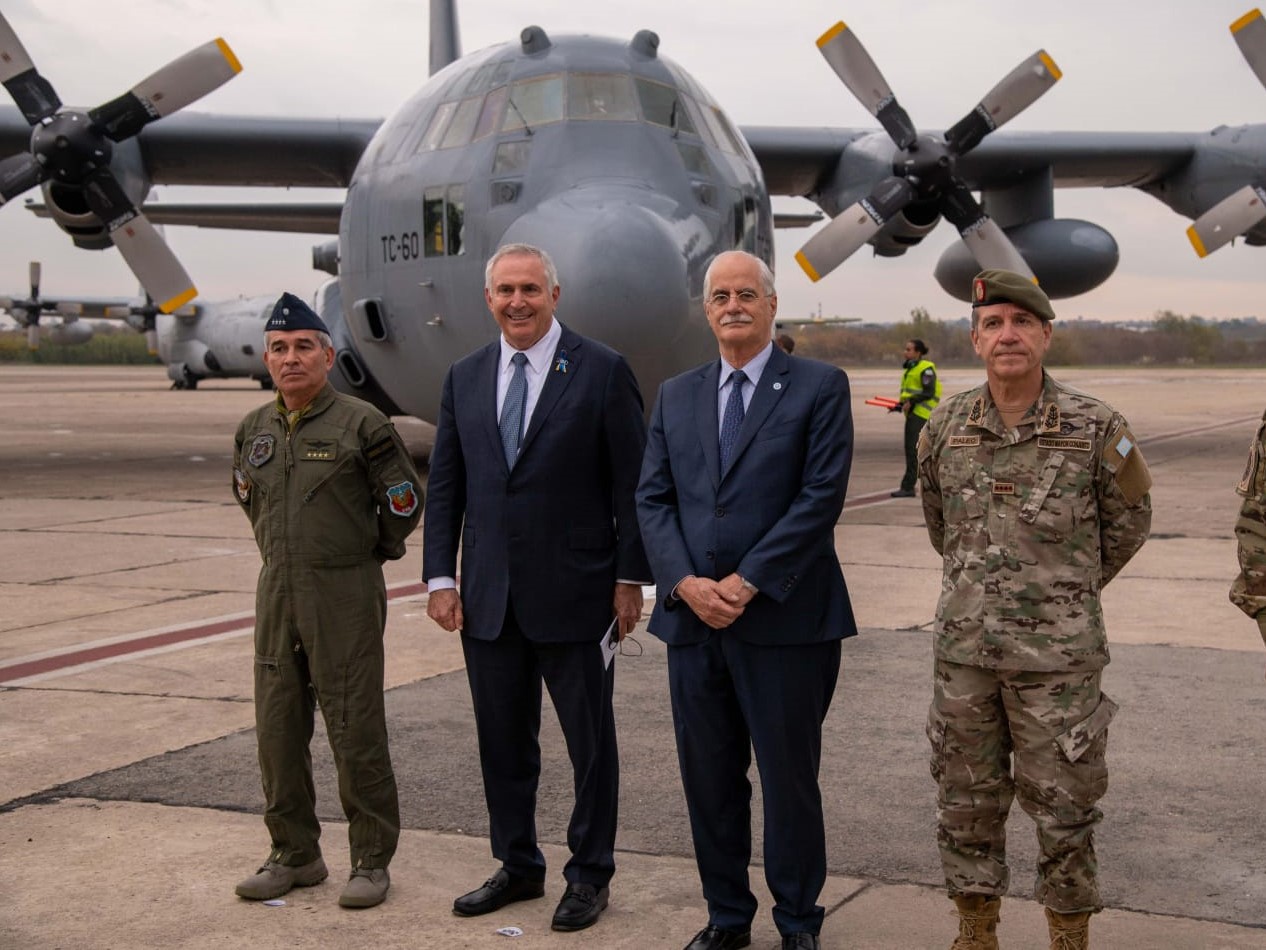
614	159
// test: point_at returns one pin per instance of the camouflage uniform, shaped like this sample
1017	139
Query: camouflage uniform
331	493
1032	523
1248	592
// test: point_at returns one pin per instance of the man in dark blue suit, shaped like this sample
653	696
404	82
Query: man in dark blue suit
746	467
535	462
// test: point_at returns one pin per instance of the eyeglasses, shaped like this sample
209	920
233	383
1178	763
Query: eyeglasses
720	298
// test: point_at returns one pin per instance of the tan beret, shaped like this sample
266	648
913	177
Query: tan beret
1004	286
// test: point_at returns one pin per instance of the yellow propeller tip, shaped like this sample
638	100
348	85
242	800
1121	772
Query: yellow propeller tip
1198	244
831	34
807	267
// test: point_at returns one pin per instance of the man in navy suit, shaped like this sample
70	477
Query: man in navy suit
746	467
535	462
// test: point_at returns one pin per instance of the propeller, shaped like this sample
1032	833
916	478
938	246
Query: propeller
143	317
1243	209
29	310
924	166
74	148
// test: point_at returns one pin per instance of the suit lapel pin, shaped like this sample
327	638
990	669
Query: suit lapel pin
560	363
777	386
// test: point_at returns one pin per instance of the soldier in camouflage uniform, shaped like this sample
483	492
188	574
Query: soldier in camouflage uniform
1036	496
1248	592
331	493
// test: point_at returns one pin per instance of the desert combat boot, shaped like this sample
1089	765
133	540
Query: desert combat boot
1068	931
977	922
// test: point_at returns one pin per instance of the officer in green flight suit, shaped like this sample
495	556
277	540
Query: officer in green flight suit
331	493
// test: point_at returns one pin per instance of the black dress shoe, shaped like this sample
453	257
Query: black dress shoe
714	938
800	941
580	906
500	889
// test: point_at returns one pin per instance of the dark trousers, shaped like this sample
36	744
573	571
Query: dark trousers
505	678
729	697
914	425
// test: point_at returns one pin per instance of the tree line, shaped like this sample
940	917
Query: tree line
1168	339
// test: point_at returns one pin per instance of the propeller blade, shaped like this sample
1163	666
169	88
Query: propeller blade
34	272
182	81
32	92
1228	219
18	173
853	227
992	248
32	336
1250	35
845	54
149	257
1018	90
151	341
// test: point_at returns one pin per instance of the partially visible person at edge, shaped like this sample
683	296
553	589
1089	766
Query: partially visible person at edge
331	493
532	475
920	394
786	342
1248	591
746	469
1036	496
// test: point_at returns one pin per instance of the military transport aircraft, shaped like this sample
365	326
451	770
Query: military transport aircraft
203	340
609	155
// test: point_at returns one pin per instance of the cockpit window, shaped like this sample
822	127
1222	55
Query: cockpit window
438	126
534	102
463	123
600	96
490	116
662	105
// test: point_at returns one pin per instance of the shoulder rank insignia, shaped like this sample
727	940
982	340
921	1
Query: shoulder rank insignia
1050	418
261	449
403	499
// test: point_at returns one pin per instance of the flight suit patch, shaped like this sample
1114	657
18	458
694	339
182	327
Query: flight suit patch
319	450
241	485
1132	475
262	448
402	499
384	446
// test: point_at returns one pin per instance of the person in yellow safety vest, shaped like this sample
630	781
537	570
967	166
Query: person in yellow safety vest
920	392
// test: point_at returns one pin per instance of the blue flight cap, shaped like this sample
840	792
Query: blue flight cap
291	313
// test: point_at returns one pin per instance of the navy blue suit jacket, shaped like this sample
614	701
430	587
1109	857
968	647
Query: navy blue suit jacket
770	516
553	534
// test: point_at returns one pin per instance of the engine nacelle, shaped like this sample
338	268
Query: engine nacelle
67	207
1069	257
906	230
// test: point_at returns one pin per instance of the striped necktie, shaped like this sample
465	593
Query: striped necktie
511	423
732	421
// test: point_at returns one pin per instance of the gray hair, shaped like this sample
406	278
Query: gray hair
766	275
530	250
322	337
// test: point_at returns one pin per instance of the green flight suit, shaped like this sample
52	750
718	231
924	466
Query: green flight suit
331	494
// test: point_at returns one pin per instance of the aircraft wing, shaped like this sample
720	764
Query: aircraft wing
200	149
803	161
299	217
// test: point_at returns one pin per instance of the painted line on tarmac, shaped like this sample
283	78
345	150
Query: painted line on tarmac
36	668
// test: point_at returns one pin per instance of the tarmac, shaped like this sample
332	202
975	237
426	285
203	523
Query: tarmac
129	794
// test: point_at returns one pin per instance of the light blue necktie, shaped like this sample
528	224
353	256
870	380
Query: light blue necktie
511	423
733	419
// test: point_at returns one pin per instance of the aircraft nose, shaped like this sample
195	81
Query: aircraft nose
624	275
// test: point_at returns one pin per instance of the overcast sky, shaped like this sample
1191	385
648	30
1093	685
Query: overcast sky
1166	65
